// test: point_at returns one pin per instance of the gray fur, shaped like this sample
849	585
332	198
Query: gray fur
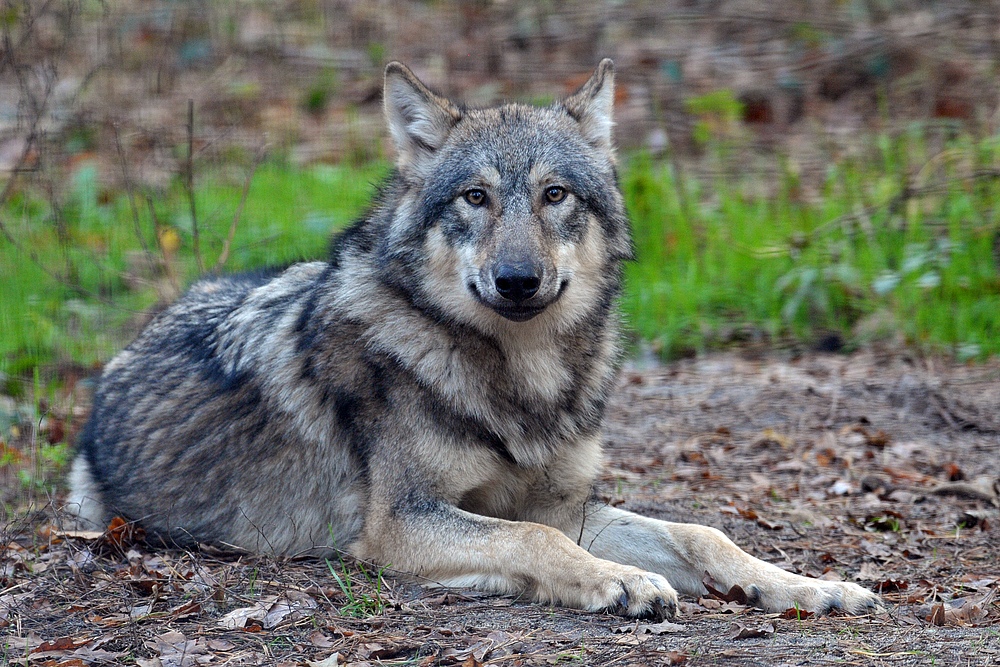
396	401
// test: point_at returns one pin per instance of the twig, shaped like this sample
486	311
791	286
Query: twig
167	263
189	182
224	255
131	199
38	105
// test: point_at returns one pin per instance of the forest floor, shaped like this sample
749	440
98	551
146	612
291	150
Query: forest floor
875	468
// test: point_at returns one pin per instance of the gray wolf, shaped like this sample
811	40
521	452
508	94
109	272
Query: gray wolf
429	398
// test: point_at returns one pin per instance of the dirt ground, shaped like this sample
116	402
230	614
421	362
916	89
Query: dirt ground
882	469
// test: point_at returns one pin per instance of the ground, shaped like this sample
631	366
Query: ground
877	468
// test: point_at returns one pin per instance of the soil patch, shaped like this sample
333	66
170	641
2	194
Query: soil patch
876	469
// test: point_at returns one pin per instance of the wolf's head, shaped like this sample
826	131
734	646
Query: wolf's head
511	211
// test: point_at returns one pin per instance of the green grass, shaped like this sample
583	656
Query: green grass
79	280
362	587
899	243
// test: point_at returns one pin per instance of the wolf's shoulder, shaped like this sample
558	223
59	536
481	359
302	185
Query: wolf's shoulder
234	288
213	300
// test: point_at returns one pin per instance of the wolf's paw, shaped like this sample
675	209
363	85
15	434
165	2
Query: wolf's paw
632	592
817	596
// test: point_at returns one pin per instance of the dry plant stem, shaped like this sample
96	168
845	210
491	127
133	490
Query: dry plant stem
38	103
224	255
189	183
151	262
167	263
30	143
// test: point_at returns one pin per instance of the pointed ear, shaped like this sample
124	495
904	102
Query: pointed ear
418	120
593	104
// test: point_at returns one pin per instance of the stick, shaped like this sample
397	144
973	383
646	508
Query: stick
190	188
224	255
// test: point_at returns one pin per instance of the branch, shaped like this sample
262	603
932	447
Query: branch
189	186
167	258
224	255
131	199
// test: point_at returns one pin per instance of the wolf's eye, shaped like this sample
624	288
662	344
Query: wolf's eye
555	194
475	197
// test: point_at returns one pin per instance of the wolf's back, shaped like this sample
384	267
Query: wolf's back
197	427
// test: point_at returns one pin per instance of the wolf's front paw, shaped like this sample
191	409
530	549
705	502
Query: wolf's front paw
817	596
632	592
851	598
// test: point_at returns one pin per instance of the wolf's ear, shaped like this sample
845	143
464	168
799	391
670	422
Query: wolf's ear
593	104
418	120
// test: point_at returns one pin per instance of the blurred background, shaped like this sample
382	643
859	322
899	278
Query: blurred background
808	176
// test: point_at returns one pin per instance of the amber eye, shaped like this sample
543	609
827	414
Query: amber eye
555	194
475	197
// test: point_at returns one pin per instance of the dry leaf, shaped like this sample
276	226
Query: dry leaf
270	611
769	438
186	610
658	628
330	661
891	586
794	614
734	594
740	631
936	617
62	644
320	640
121	534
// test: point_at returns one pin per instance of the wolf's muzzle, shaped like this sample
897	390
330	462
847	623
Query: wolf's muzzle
517	282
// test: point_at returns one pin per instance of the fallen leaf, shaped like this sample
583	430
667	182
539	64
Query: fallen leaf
631	640
658	628
953	472
86	535
330	661
891	586
741	631
879	440
840	488
62	644
734	594
320	640
769	438
121	534
968	611
270	612
936	617
186	610
825	457
794	614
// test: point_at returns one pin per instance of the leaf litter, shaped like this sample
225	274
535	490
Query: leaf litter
879	469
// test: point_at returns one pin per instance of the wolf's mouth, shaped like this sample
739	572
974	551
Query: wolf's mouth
515	312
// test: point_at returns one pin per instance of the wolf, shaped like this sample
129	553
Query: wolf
430	398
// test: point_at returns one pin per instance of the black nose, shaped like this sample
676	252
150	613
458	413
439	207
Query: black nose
517	282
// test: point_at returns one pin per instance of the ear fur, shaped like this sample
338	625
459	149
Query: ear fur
418	119
593	105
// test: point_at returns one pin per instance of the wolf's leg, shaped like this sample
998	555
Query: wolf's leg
441	543
84	499
685	553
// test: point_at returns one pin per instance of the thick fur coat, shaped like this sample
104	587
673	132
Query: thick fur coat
429	398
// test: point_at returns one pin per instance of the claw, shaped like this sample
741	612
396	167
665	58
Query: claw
661	610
